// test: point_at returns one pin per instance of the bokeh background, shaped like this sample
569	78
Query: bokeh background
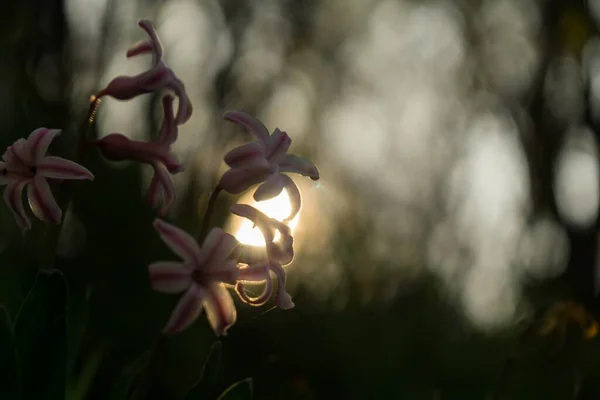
458	203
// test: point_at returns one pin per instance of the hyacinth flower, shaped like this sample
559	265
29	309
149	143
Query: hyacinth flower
118	147
200	275
264	161
278	253
158	77
25	163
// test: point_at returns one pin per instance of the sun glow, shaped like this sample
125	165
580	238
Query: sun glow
278	207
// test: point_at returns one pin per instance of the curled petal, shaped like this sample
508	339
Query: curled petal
38	142
168	131
219	307
279	143
259	300
294	196
236	180
270	188
184	108
60	168
164	189
187	310
13	197
258	218
169	277
41	200
154	40
252	124
155	193
141	47
182	243
299	165
255	273
282	298
217	247
247	155
281	251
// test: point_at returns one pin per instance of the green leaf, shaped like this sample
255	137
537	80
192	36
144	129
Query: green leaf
241	390
41	337
123	387
208	376
10	375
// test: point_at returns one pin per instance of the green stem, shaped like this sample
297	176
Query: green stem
209	210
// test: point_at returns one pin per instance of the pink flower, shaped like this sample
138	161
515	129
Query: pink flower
264	161
280	251
118	147
159	77
261	273
25	163
199	276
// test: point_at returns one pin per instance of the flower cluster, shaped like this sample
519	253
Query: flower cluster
205	273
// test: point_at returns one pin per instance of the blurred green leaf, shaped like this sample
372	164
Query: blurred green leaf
208	375
123	387
241	390
41	337
10	379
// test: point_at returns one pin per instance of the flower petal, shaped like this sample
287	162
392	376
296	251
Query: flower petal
299	165
4	177
259	300
165	186
184	106
282	298
270	188
128	87
154	40
42	202
236	180
181	242
263	222
246	155
13	197
168	130
38	142
18	154
60	168
258	272
252	124
141	47
169	277
187	310
294	196
279	143
220	310
155	193
227	272
217	246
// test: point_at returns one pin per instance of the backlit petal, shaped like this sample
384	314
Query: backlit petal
299	165
282	297
217	246
219	307
252	124
294	196
13	197
236	180
154	40
38	142
187	310
141	47
279	143
259	300
169	277
42	202
181	242
60	168
270	188
246	155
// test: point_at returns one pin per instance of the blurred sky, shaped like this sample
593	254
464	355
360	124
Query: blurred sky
413	111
